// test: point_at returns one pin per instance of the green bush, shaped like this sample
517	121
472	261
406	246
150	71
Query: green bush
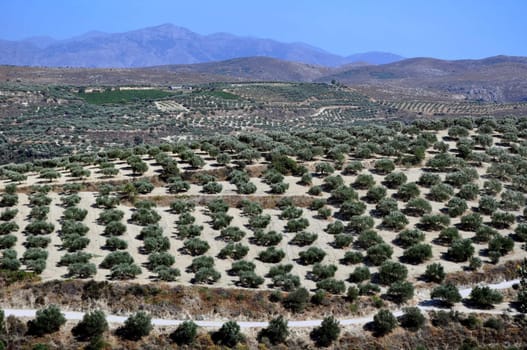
447	293
391	271
276	332
229	334
124	271
327	332
384	322
185	333
435	273
379	253
296	300
484	297
136	326
400	291
47	320
412	319
93	324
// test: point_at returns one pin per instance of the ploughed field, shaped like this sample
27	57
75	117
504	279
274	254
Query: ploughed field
325	209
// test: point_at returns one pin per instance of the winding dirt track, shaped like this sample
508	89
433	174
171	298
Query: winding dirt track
423	304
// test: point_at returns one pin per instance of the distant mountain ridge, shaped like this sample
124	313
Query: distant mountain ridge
165	45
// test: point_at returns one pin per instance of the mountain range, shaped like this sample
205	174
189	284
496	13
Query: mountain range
163	45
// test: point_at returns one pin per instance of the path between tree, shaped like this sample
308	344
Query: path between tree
76	316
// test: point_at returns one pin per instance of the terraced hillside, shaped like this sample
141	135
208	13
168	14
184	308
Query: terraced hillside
355	218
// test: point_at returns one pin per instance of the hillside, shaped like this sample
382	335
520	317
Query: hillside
500	79
493	79
164	44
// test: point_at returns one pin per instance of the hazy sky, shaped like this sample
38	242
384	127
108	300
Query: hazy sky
435	28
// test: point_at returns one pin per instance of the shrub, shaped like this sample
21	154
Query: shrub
456	206
39	228
351	258
375	194
37	241
116	258
379	253
384	322
408	191
7	241
409	237
93	324
110	215
360	274
74	242
276	332
180	206
386	206
327	332
303	238
332	286
249	279
499	246
234	251
271	255
440	192
395	220
201	262
114	228
136	326
185	333
232	234
395	180
390	272
48	320
311	255
434	222
368	288
501	220
484	297
259	221
418	207
360	223
160	259
412	318
296	300
342	240
418	253
471	222
435	273
238	267
220	220
447	293
124	271
468	191
460	250
206	275
400	291
296	225
487	205
74	258
82	270
195	246
115	243
364	181
229	334
144	217
429	179
368	239
74	213
8	214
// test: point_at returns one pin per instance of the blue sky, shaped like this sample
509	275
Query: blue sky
438	28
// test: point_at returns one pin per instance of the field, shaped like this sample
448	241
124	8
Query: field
388	211
123	96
